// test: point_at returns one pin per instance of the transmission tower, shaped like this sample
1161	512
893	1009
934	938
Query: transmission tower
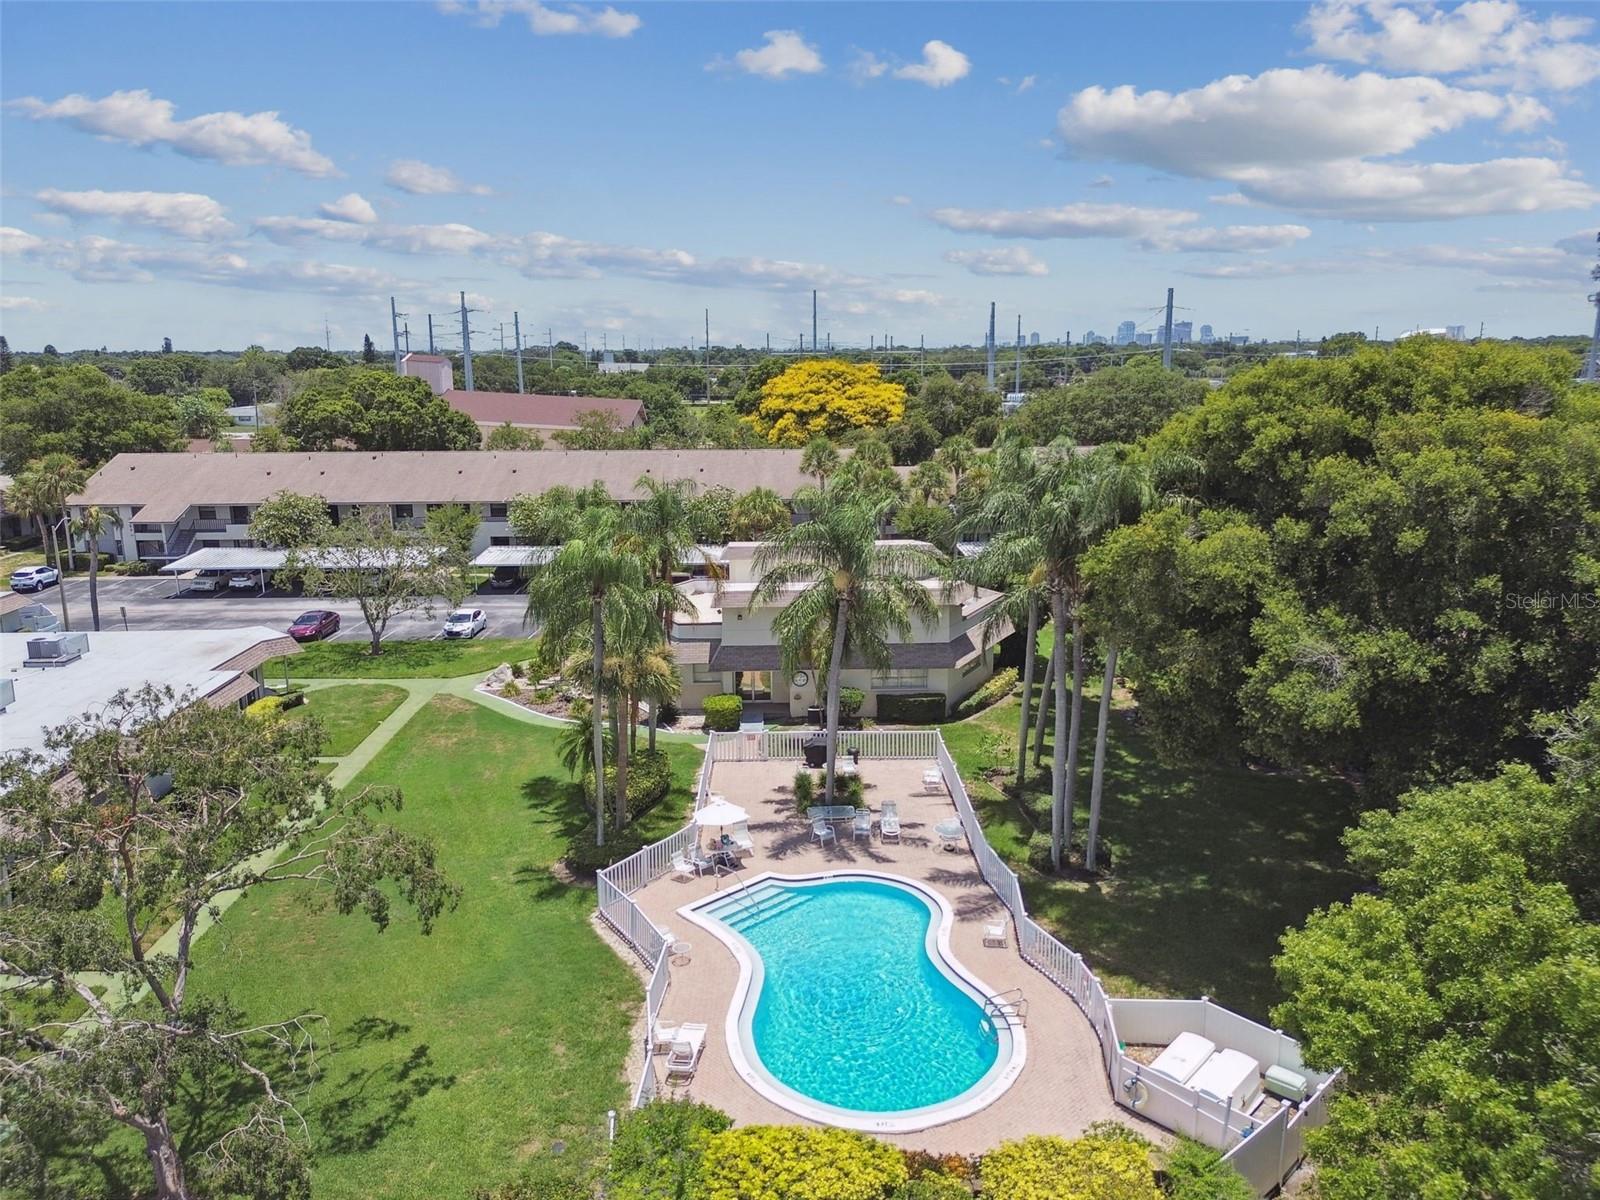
1591	369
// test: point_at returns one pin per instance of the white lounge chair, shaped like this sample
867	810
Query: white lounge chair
889	823
701	861
684	1056
822	831
739	835
665	1033
995	935
933	780
861	827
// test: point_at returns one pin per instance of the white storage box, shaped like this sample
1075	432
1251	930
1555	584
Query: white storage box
1180	1060
1229	1077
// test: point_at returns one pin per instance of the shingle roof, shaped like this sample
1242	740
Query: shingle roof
497	408
167	484
932	655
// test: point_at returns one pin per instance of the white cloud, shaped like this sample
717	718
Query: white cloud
140	119
903	201
18	243
547	20
1065	221
865	66
1230	239
1497	40
1563	266
21	304
1373	191
1002	260
1286	117
785	53
423	179
1101	181
352	207
447	238
942	64
1267	268
1025	84
187	214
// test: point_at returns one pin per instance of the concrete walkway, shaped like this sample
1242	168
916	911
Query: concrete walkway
346	768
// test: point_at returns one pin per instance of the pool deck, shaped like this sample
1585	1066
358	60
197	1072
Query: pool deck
1062	1088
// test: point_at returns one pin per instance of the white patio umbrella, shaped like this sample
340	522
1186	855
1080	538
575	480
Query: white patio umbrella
720	813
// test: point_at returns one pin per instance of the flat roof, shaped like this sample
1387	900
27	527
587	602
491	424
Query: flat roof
161	487
187	660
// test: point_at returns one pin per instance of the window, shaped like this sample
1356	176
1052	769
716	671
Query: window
435	507
239	514
402	512
208	513
753	685
885	681
704	674
499	540
497	512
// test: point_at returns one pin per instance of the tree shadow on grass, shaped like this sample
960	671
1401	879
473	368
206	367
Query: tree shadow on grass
358	1108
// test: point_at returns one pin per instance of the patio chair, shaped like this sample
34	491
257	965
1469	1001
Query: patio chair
682	866
739	836
995	935
889	823
822	831
700	860
664	1034
684	1056
861	827
933	780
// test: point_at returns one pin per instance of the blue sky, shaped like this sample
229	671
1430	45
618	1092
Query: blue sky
240	172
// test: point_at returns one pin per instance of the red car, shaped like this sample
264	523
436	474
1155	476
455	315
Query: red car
318	623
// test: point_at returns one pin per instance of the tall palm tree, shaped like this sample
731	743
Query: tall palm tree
660	530
928	482
90	524
40	491
1128	489
568	597
819	460
841	579
957	455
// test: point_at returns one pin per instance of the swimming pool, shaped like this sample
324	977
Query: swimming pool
850	1008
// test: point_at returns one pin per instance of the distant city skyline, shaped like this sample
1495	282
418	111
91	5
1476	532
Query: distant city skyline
618	172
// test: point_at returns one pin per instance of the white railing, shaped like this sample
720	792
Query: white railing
1264	1154
654	994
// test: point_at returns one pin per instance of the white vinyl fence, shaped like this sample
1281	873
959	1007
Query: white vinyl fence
1264	1154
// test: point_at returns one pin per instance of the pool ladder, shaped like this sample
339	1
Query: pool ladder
1009	1007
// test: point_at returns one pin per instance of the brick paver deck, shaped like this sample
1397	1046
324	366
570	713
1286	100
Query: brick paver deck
1062	1088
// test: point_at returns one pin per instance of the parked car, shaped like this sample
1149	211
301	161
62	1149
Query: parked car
318	623
243	581
465	622
33	579
205	584
505	578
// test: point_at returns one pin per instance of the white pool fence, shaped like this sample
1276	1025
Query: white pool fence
1264	1154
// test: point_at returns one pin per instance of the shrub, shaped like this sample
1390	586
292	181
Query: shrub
519	670
510	689
792	1162
267	706
911	708
956	1166
1039	850
848	789
569	1175
131	566
723	712
584	856
805	788
1097	1167
658	1148
649	780
1197	1172
293	698
996	690
933	1186
850	701
543	695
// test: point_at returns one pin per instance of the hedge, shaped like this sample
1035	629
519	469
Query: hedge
996	690
271	705
850	701
657	1150
911	708
649	780
723	712
1052	1168
793	1162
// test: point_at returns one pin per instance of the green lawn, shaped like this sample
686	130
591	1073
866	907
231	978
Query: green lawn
1210	864
348	712
452	1057
399	660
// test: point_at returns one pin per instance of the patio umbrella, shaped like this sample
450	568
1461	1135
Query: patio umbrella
720	812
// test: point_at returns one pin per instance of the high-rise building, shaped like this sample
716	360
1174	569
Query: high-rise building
1206	335
1144	339
1456	333
1125	332
1182	331
1089	338
1033	338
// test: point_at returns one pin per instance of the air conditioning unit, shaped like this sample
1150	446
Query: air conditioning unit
56	649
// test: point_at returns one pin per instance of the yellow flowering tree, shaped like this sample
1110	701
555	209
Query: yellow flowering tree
825	396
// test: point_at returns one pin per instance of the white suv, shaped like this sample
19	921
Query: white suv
33	579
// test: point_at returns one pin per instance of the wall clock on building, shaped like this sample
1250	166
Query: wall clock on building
800	679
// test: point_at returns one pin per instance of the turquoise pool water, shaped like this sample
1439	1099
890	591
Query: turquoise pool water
852	1011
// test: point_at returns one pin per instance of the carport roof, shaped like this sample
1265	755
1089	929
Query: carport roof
229	558
514	556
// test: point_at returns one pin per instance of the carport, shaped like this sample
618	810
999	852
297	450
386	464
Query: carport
226	558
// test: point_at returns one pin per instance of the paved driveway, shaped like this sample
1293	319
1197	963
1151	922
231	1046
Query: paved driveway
150	603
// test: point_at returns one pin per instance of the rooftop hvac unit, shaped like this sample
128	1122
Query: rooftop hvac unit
55	649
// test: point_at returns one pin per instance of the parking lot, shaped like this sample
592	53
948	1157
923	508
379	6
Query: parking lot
150	603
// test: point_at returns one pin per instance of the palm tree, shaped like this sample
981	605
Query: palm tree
569	596
40	491
928	482
756	513
957	455
660	530
819	460
841	579
90	524
1128	490
573	743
